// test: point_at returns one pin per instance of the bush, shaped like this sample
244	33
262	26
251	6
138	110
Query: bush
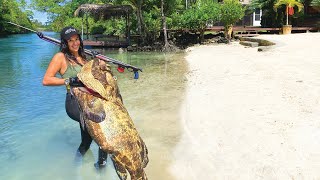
97	29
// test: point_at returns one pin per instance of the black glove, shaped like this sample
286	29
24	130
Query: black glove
75	82
40	34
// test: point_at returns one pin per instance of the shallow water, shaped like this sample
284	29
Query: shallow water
39	141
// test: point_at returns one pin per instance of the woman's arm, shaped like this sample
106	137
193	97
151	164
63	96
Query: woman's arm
54	67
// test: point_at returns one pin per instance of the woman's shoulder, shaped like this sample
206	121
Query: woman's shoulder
58	58
59	55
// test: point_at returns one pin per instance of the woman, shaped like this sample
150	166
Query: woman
68	62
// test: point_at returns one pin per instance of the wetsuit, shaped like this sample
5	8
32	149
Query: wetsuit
72	109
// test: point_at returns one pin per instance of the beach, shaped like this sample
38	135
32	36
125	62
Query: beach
213	112
249	114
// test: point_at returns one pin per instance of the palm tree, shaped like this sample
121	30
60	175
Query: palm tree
289	4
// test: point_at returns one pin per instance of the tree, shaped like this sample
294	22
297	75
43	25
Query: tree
306	4
137	6
164	22
199	16
167	7
141	26
288	4
316	2
271	18
61	12
231	12
11	11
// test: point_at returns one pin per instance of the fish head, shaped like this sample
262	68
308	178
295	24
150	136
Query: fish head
89	97
98	79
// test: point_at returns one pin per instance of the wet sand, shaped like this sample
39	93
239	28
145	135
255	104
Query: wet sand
249	114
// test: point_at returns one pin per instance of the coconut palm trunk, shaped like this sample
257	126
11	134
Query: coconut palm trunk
287	9
288	4
164	23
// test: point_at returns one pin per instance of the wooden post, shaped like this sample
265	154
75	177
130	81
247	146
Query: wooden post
87	25
128	28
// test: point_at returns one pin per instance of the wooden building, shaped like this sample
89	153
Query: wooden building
106	11
311	19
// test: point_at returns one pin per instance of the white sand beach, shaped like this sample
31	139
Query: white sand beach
249	114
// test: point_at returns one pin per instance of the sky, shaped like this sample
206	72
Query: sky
41	17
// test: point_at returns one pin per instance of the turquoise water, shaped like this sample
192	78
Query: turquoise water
37	138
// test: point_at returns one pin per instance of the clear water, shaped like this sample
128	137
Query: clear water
39	141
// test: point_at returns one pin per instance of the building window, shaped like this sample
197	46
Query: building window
257	14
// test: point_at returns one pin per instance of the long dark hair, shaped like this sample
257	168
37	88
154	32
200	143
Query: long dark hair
65	50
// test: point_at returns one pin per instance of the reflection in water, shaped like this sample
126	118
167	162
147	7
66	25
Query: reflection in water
39	141
153	101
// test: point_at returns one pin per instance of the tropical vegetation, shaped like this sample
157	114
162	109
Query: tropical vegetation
231	12
277	17
150	20
198	16
11	11
316	2
288	4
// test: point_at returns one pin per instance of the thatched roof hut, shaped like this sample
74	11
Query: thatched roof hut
106	11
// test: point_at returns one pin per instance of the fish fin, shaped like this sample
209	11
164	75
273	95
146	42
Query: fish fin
82	121
144	154
120	169
96	114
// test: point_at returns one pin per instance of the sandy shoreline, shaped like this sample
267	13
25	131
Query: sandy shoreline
250	114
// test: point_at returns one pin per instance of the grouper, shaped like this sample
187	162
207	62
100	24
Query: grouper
108	121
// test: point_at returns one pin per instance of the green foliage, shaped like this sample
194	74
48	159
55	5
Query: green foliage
152	13
75	22
269	18
231	12
171	6
146	15
197	17
152	20
316	2
288	4
11	11
113	26
98	29
275	17
262	4
61	14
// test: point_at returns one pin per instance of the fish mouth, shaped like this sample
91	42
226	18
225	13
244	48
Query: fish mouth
89	91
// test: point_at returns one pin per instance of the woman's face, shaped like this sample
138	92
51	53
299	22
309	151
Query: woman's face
74	43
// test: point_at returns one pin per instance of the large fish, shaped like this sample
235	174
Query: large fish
108	122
